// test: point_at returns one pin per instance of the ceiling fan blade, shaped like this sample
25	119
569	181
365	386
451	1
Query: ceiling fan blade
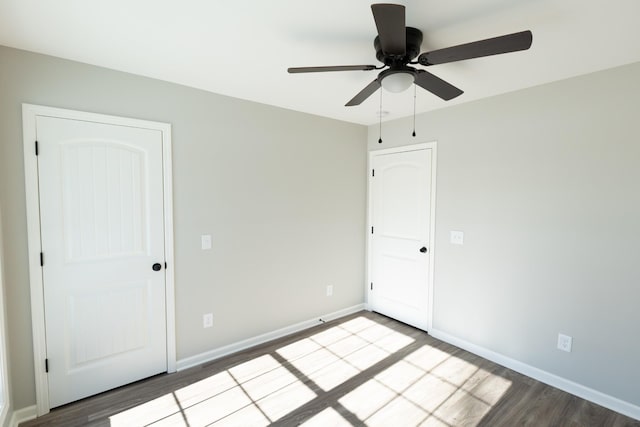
390	21
364	93
493	46
436	85
294	70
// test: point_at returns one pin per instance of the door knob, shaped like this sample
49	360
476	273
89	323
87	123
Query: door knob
157	266
423	249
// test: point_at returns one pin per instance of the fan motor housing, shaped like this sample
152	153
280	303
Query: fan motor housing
414	40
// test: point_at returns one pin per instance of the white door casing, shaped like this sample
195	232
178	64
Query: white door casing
401	237
100	314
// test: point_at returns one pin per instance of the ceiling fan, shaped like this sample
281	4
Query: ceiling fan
397	45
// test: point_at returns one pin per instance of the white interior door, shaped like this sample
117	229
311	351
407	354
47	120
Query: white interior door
400	194
101	207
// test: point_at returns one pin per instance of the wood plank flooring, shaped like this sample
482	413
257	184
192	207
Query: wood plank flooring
362	370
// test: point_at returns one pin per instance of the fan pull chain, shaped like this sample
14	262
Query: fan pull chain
414	111
380	119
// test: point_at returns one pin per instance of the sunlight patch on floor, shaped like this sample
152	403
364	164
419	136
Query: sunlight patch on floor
394	342
151	411
366	357
328	417
270	382
367	399
399	376
426	387
314	361
429	392
329	336
299	349
217	407
333	375
358	324
205	389
247	416
254	393
253	368
346	345
400	412
279	404
333	356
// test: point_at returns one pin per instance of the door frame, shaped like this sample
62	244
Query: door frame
432	220
29	114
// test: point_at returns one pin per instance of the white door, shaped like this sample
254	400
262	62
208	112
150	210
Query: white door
400	195
101	201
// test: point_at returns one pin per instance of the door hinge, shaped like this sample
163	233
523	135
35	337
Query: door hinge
371	285
36	147
373	172
372	229
46	365
41	259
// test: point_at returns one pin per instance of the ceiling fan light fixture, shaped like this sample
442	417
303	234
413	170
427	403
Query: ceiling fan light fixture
397	46
397	82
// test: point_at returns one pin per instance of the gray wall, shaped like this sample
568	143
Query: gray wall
544	183
282	193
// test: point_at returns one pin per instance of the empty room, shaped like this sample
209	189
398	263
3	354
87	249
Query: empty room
319	213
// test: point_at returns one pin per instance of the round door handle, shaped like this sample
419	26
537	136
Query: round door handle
423	249
157	266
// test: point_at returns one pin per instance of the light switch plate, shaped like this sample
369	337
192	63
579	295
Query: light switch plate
457	237
206	241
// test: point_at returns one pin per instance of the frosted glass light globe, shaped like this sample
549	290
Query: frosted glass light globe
397	82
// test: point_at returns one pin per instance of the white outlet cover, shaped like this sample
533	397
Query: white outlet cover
207	320
457	237
205	241
330	290
564	342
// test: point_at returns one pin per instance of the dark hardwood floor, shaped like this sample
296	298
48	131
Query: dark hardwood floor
364	369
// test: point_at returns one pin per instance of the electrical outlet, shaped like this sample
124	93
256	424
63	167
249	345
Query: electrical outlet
564	342
457	237
330	290
207	320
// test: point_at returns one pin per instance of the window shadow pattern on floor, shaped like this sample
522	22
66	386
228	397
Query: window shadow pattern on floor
361	371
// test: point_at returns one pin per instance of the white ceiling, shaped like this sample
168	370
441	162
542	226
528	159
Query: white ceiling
243	48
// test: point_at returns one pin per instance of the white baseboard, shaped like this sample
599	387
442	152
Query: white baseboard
217	353
553	380
22	415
